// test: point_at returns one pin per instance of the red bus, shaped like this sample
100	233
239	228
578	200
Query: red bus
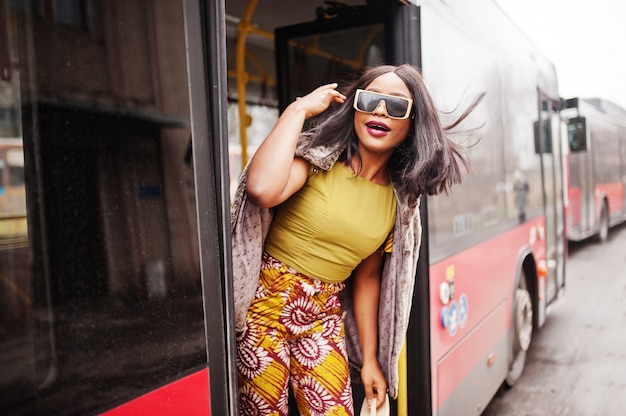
597	164
136	117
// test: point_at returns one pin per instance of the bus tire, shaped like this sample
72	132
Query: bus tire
603	226
522	331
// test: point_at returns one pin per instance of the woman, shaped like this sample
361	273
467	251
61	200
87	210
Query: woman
319	210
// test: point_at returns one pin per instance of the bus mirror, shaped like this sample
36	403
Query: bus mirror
577	134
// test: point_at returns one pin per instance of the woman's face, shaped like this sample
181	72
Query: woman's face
377	132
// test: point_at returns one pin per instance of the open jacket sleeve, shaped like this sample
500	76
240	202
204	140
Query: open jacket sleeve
249	225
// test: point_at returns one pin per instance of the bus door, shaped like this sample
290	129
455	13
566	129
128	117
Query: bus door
580	190
622	149
336	47
548	146
103	259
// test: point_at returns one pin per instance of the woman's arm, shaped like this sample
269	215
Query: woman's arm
274	173
366	296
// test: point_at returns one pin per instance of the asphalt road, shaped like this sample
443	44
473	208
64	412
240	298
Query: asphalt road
577	361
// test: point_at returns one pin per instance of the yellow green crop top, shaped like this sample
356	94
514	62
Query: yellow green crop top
333	223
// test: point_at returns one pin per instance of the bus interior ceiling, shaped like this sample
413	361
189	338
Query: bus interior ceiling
250	28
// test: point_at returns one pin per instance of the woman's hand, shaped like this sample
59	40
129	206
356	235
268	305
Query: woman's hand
374	383
318	100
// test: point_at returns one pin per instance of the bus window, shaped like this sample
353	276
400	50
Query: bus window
17	336
101	297
333	56
577	134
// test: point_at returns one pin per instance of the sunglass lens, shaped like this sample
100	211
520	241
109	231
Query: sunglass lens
396	107
368	101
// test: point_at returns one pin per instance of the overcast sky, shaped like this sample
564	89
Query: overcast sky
583	38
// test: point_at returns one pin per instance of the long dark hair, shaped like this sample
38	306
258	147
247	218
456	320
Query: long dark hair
427	161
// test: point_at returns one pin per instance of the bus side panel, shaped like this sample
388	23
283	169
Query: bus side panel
478	232
484	378
188	396
468	332
606	176
597	173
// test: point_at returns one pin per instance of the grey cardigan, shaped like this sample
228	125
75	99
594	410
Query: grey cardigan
250	225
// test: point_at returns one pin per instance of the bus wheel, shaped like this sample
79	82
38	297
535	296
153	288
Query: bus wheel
603	229
522	331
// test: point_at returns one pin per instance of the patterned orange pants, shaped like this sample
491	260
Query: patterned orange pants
294	334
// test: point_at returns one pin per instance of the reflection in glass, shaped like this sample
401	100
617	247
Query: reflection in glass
100	291
16	286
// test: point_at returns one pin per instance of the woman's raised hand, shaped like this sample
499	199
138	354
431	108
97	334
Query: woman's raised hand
274	174
318	100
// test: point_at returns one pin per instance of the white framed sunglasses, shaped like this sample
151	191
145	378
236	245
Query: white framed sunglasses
397	107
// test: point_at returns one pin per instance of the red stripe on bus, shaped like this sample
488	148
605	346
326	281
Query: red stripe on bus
574	206
188	396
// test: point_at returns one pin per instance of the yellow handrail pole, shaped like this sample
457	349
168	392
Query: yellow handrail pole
368	40
403	405
260	32
242	78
